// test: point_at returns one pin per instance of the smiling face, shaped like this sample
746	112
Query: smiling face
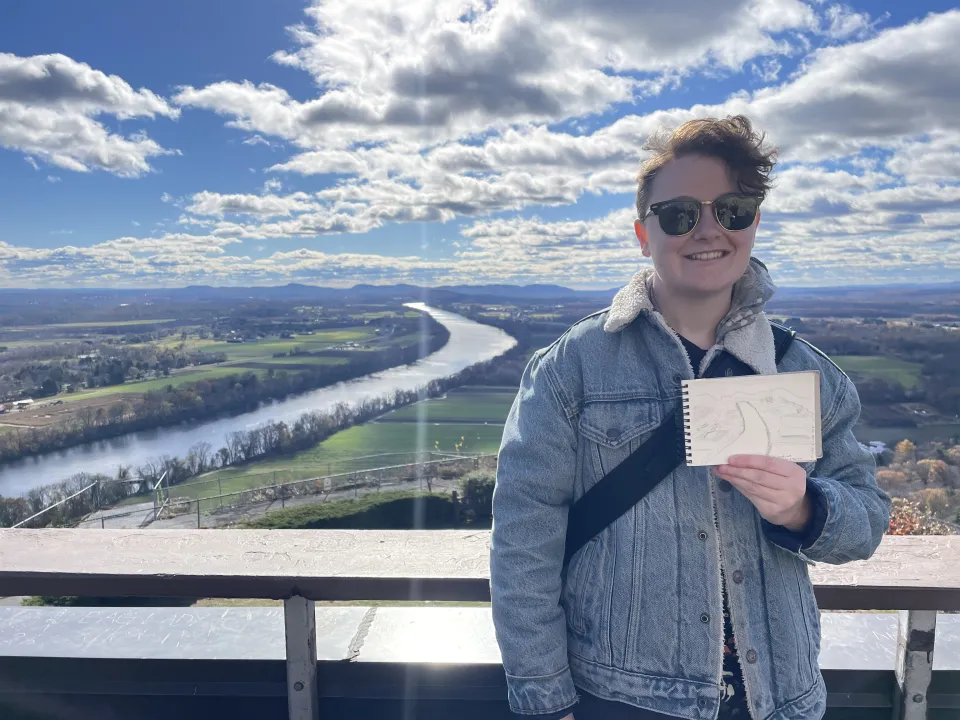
709	260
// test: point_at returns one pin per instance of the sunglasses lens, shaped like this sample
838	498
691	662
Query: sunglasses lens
678	217
736	212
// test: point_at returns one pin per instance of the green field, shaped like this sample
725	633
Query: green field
241	358
105	323
176	379
385	314
357	448
889	369
377	444
208	372
941	432
290	361
320	340
17	344
457	406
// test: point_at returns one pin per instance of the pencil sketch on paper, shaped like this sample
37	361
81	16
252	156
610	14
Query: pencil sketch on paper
779	419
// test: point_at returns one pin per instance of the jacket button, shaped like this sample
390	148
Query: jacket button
702	535
704	618
677	378
751	656
701	703
613	433
738	576
724	486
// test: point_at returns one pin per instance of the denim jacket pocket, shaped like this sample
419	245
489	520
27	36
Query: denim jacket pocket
581	582
616	428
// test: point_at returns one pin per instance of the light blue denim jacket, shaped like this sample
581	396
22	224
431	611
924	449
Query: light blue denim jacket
637	614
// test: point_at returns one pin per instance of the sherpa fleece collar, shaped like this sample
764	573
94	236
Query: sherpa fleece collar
745	331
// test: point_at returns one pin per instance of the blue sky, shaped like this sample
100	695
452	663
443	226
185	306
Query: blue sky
242	142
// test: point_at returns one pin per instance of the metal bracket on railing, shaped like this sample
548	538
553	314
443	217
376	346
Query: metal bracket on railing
915	641
300	624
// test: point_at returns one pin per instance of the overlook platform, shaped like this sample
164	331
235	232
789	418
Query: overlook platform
304	662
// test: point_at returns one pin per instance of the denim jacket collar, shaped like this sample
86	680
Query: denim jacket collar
744	331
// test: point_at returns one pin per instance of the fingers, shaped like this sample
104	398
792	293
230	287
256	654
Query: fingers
758	477
752	489
766	463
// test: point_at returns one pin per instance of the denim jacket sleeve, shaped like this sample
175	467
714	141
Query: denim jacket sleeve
855	512
534	488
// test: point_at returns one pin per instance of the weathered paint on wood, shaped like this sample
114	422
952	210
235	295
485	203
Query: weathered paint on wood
906	573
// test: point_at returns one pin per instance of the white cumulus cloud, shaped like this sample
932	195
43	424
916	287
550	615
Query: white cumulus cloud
49	109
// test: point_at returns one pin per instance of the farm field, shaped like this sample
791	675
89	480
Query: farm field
241	357
889	369
385	314
297	362
207	372
458	406
357	448
892	435
102	324
320	340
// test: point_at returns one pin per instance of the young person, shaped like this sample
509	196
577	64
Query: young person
696	602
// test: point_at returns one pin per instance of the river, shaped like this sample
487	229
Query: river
469	343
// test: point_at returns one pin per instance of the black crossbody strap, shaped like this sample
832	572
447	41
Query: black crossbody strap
630	481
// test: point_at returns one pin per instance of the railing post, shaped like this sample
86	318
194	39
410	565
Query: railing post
300	624
198	513
915	641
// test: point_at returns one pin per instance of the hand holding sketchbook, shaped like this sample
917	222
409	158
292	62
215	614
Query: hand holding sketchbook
776	415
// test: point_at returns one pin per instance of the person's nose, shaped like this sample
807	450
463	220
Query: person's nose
708	228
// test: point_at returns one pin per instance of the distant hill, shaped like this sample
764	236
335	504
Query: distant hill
407	293
525	292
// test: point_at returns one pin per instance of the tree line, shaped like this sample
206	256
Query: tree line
205	399
42	371
935	349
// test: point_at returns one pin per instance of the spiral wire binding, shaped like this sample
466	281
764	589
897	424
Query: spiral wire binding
687	434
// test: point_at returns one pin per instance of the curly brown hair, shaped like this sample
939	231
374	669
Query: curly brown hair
732	139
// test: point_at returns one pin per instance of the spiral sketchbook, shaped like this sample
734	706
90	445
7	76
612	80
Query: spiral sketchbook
777	415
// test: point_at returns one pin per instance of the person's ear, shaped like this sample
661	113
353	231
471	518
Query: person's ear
642	236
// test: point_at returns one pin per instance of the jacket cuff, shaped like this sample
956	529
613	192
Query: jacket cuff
795	541
548	697
559	715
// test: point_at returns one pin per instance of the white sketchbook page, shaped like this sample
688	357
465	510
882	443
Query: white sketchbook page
777	415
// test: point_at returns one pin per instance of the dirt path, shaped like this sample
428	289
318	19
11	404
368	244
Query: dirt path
122	517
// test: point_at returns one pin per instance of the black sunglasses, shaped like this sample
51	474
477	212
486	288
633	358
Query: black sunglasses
734	211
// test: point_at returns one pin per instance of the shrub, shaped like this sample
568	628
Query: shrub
888	479
932	471
375	511
908	518
477	488
905	451
934	500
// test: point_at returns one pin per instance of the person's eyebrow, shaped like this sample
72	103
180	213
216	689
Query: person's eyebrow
676	197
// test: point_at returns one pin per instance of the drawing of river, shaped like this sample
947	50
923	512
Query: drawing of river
776	420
